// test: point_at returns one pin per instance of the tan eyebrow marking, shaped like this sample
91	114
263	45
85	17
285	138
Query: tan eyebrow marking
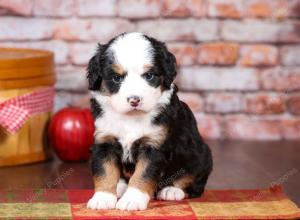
102	138
118	69
147	67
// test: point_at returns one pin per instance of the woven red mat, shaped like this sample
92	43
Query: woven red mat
214	204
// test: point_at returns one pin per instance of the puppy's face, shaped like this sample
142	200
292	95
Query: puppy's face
131	72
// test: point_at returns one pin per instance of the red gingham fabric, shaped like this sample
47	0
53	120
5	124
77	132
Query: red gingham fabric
14	112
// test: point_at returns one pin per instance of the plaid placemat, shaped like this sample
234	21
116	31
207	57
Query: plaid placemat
214	204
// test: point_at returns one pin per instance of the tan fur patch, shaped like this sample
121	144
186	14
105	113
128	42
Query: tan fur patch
184	182
155	139
108	182
104	138
146	67
104	91
118	69
138	181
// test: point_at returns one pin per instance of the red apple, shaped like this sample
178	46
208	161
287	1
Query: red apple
71	133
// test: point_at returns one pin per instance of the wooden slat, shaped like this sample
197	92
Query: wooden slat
21	73
23	139
8	143
12	58
46	80
37	131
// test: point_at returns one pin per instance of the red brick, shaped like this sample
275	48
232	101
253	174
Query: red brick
225	9
61	100
217	53
185	53
167	30
80	53
139	8
250	8
293	104
19	7
89	29
184	8
291	128
209	126
223	103
259	55
180	29
71	78
287	79
259	9
4	12
17	28
251	128
86	8
254	30
263	103
294	9
212	78
66	99
193	100
267	8
290	55
55	8
206	30
81	100
290	32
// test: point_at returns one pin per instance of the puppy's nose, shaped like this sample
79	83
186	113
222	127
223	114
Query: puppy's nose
134	100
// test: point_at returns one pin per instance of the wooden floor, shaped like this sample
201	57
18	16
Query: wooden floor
236	165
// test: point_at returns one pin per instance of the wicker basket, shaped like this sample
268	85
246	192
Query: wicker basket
23	71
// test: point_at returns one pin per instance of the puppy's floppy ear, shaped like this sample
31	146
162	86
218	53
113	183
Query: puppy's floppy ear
168	64
94	70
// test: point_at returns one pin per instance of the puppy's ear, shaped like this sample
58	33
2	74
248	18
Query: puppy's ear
94	70
168	63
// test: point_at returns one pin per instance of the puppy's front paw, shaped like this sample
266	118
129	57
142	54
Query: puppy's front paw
171	193
133	199
102	200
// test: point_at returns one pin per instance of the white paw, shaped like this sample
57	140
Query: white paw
102	200
171	193
133	199
121	188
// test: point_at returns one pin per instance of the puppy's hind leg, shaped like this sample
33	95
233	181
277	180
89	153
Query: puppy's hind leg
197	188
177	191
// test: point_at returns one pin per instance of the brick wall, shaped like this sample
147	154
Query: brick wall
239	60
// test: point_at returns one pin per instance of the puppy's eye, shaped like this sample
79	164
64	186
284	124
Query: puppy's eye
149	76
117	78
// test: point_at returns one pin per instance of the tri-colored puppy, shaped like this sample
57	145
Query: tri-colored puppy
146	140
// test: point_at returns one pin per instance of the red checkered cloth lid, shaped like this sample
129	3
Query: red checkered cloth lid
14	112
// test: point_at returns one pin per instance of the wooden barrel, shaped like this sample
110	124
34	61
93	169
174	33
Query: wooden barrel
23	71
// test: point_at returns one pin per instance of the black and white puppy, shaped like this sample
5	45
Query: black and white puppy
146	140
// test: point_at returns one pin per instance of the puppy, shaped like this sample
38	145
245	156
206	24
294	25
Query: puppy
146	139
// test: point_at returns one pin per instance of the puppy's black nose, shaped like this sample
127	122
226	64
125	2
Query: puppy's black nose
134	100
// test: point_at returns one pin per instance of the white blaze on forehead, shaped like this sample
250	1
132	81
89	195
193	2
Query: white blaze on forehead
132	51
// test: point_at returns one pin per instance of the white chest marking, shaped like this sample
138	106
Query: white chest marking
126	128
